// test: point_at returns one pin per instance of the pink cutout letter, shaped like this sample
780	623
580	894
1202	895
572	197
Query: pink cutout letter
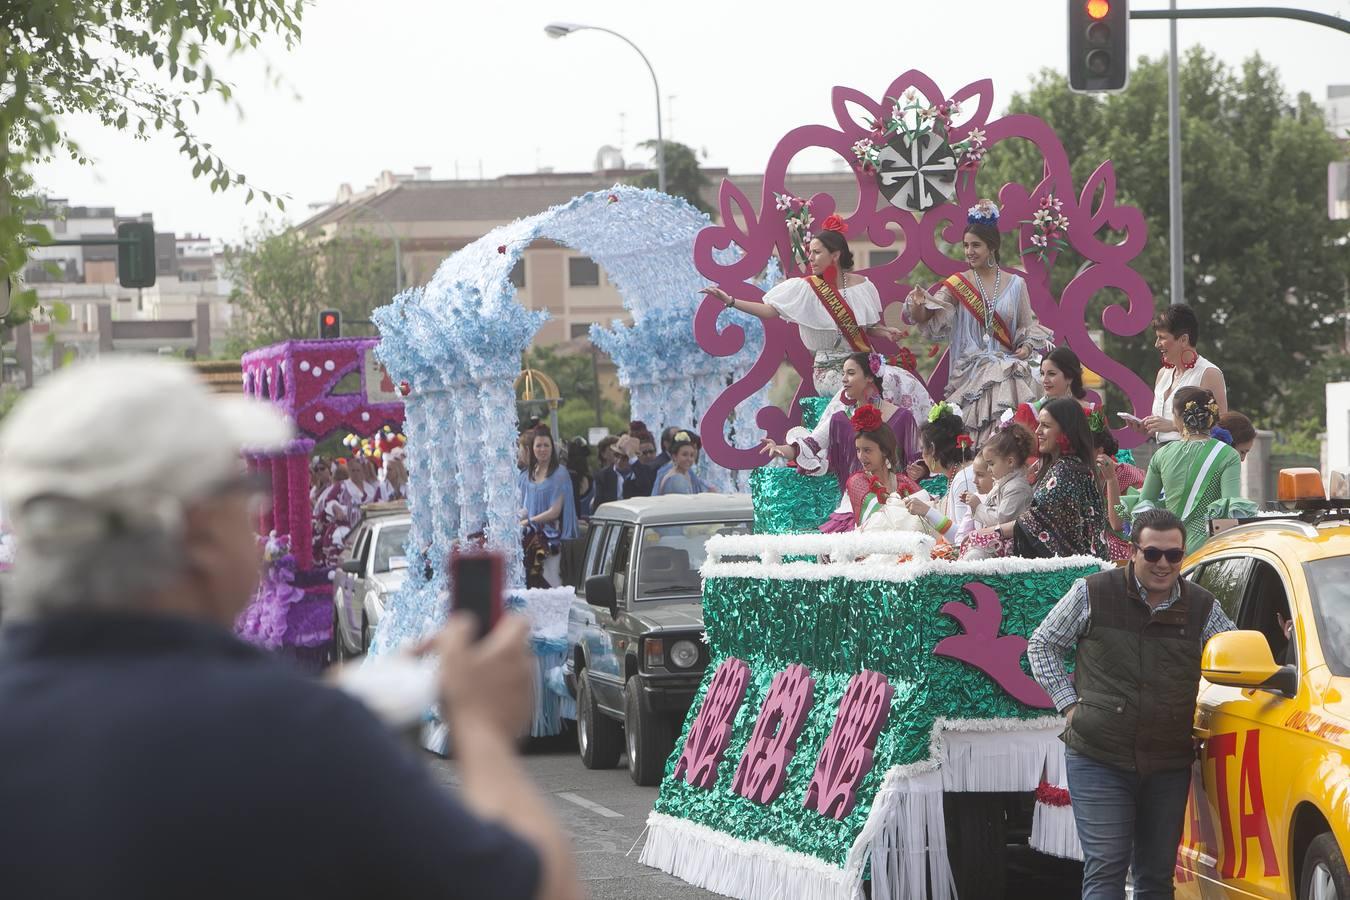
847	754
711	732
980	645
762	772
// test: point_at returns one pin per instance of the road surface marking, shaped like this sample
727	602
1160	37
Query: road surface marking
591	805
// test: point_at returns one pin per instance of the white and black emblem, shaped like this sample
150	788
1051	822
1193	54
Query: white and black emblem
918	173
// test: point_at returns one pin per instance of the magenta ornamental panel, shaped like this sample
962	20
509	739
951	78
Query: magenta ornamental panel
761	233
848	751
762	773
980	645
711	732
305	378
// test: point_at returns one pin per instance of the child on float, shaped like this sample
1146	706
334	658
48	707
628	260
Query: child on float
879	479
1115	476
1006	453
947	451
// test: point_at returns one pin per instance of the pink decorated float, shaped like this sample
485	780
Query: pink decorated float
326	387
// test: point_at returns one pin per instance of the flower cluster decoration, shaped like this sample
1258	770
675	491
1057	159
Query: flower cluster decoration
797	216
911	118
1050	227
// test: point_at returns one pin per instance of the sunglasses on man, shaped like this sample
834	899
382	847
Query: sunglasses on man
1153	554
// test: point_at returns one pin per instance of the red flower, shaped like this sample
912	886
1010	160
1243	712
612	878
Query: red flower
933	350
904	358
834	222
612	198
501	248
404	388
866	418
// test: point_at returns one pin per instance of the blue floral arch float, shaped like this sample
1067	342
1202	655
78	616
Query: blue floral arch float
458	341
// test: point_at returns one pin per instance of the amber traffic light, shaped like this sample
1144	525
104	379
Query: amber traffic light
1099	40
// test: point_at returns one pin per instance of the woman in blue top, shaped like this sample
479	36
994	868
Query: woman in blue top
678	476
548	514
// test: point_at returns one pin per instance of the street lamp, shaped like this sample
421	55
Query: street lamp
562	29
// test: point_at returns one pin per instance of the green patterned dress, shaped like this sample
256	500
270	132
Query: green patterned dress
1197	480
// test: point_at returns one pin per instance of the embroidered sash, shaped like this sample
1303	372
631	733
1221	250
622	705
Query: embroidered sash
973	302
840	312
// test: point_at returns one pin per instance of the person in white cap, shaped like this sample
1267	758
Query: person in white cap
148	752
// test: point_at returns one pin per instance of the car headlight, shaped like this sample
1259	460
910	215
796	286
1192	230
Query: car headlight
684	654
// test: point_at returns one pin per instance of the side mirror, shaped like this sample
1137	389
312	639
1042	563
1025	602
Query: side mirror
1242	659
351	566
600	592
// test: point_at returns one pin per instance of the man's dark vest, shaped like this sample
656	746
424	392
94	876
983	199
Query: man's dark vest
1137	673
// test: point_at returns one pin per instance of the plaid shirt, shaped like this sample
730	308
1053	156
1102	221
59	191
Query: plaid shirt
1068	621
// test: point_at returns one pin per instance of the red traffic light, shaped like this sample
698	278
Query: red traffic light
330	320
1097	9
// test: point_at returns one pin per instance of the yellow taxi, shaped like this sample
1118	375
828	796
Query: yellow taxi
1269	810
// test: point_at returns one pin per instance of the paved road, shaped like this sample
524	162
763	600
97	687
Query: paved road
605	813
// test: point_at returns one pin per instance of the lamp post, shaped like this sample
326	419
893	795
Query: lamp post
562	29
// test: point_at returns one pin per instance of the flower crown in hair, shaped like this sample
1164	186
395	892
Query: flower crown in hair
866	418
965	441
984	213
682	437
942	406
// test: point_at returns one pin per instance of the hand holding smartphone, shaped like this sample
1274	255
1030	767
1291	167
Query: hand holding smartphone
477	581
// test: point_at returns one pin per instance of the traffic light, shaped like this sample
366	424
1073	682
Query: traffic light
136	254
330	324
1099	45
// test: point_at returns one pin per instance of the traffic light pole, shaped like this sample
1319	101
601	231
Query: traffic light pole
1245	12
1176	235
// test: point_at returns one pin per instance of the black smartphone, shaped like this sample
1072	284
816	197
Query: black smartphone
476	577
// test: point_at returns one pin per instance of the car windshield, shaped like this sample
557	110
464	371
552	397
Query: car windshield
1330	582
389	548
671	555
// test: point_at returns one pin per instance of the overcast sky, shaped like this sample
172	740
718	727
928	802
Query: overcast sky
469	85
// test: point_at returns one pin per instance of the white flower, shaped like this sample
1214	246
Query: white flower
1059	204
976	137
927	112
910	94
1042	216
1038	240
781	201
953	107
863	147
1062	222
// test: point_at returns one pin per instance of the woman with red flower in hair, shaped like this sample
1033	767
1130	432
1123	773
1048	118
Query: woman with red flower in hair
829	447
836	313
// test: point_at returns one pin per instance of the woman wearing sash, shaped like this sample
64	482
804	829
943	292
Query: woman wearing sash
1198	477
830	447
836	313
995	336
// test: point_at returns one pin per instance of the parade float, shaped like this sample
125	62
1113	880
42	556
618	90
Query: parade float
324	387
867	714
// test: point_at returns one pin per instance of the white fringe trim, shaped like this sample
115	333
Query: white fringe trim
752	870
1054	832
859	556
905	835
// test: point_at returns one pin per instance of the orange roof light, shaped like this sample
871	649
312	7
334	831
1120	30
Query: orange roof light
1098	9
1300	484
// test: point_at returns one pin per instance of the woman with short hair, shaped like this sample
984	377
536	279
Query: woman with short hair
1176	332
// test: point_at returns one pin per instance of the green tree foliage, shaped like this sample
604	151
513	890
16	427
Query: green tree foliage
1265	269
684	177
282	279
140	66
